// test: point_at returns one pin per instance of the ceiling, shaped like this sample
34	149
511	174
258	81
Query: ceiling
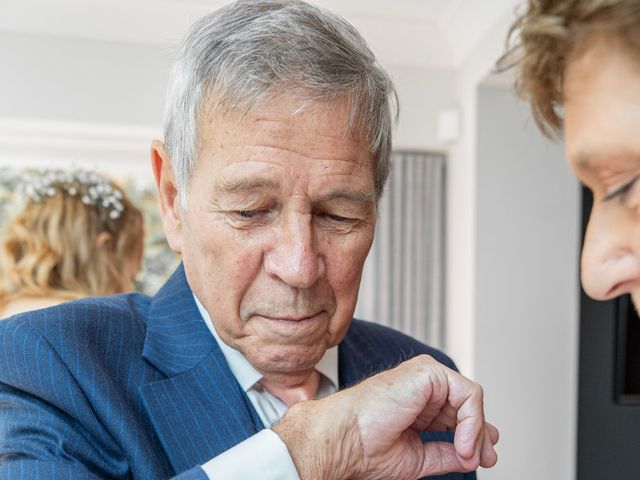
422	33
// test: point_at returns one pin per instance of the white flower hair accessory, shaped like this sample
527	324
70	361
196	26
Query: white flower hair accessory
93	188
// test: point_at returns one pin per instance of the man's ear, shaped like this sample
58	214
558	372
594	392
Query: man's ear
168	195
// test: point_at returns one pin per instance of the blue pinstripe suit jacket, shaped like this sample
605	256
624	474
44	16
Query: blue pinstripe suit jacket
132	387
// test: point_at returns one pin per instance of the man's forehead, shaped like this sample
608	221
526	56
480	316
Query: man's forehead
353	179
274	137
357	192
293	113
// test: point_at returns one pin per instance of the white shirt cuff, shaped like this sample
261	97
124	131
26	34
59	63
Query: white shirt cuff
264	456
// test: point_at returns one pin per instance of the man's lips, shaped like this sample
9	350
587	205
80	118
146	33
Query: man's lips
302	324
294	329
291	318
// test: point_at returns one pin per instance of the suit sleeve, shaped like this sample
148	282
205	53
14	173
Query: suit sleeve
48	429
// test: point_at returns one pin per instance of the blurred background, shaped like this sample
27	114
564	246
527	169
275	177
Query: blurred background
479	236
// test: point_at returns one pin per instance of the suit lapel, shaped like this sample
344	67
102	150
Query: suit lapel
360	356
199	410
356	359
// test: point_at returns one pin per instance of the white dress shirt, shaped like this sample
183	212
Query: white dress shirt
270	459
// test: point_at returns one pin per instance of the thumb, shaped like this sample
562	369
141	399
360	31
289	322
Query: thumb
440	458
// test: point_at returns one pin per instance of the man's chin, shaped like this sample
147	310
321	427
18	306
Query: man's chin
286	360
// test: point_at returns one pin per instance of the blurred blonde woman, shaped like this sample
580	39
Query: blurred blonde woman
78	235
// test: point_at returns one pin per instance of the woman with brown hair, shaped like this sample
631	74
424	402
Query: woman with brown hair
78	235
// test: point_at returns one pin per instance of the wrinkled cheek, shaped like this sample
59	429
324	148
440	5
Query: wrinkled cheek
245	282
346	283
349	282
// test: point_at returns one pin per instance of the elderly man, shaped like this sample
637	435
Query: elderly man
583	57
277	140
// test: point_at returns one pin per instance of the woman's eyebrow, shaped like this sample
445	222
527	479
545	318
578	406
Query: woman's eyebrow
588	160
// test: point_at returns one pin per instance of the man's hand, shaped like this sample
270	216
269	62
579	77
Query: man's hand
371	430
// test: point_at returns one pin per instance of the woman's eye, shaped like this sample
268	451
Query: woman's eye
621	191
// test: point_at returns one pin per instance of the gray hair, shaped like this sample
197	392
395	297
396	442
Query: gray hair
236	56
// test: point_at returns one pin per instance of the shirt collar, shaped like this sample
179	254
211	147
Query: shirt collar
247	375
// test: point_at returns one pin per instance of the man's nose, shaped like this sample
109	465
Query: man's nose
610	261
294	257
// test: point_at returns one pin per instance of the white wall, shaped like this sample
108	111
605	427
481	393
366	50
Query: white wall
423	93
527	291
81	80
89	103
64	86
512	291
461	195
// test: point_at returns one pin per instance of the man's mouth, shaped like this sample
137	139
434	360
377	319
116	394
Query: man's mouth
296	318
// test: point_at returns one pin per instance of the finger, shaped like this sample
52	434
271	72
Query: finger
444	420
436	425
445	417
490	436
494	433
469	430
470	426
441	458
488	455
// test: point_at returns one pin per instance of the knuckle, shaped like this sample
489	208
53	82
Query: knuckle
478	390
425	358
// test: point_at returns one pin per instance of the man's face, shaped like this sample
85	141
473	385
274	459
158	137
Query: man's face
602	137
280	218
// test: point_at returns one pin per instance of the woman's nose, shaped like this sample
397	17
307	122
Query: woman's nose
610	261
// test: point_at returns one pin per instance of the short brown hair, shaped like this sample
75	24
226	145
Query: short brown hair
544	37
51	247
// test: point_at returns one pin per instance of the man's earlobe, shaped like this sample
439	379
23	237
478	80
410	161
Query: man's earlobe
167	194
163	173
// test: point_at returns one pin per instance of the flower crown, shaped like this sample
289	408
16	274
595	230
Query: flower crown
94	189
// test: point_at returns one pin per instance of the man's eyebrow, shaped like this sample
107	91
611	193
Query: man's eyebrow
248	184
357	196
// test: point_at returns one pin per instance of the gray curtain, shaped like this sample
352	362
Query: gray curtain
403	279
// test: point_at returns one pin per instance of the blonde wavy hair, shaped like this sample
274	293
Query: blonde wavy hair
53	247
546	35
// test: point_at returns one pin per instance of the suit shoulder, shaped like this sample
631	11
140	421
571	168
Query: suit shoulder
84	321
385	340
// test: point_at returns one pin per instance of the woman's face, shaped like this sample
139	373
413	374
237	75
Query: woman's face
602	139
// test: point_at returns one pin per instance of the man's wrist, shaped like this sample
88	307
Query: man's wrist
322	438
